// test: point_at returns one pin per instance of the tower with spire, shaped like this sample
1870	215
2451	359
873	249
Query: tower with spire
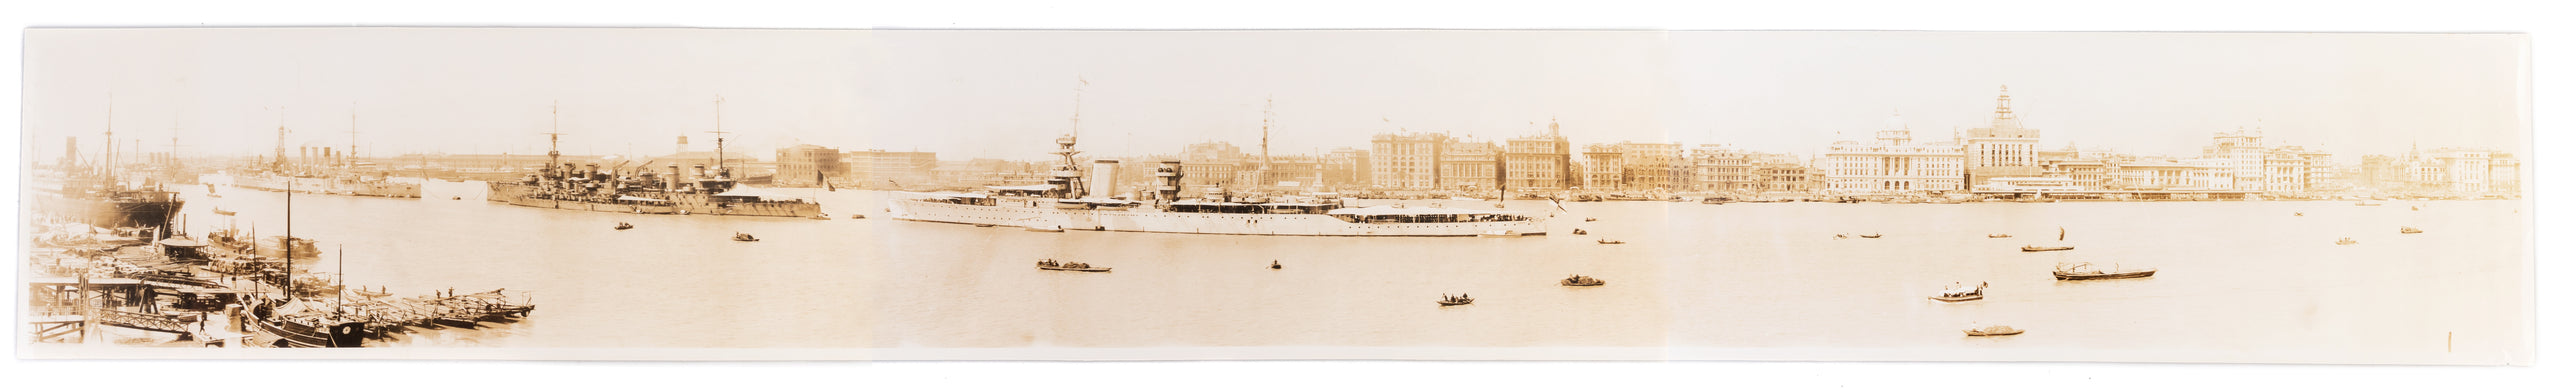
2005	149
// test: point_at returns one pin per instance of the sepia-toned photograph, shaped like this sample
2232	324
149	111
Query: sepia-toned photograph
1086	195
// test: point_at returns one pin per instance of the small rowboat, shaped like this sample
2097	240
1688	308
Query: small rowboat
2032	248
1993	331
622	226
743	237
1611	242
1445	302
2409	230
1582	281
1999	236
1871	235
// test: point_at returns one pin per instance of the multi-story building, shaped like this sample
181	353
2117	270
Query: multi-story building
1213	152
1722	169
877	168
2382	172
2161	174
1772	173
2247	152
1347	167
1404	161
2286	171
802	165
2504	178
1202	175
1539	162
1604	167
1468	165
2006	149
1648	165
1892	164
2320	172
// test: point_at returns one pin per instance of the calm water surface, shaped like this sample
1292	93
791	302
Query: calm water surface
2237	278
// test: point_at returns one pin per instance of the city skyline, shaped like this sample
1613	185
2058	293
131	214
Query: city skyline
633	91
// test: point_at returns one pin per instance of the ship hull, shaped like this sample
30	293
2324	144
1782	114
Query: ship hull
113	213
386	189
1153	221
682	204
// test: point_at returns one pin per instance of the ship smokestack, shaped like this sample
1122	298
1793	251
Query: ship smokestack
675	176
1106	178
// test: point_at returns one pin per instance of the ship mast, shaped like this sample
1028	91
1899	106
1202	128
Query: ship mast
349	160
111	138
1069	175
555	138
719	136
1263	178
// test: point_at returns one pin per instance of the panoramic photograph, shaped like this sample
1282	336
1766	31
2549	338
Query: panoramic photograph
777	194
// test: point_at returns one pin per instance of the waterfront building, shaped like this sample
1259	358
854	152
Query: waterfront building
1774	173
1347	167
2320	172
1604	167
2286	171
887	169
1541	161
2503	174
1213	152
2007	148
2168	175
2247	152
802	165
1647	166
1296	173
2382	172
1892	164
1202	175
1722	169
1406	161
1469	165
2084	170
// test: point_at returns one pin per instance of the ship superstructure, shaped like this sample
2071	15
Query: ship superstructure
707	190
328	172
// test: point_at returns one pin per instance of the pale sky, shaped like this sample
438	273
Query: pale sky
1006	94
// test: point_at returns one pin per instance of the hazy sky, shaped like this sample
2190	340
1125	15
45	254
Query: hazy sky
1008	93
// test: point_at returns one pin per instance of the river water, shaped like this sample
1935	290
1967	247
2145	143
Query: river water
2239	281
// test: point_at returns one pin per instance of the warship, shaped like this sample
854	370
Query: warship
592	187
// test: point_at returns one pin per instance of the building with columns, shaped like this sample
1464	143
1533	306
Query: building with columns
1892	164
